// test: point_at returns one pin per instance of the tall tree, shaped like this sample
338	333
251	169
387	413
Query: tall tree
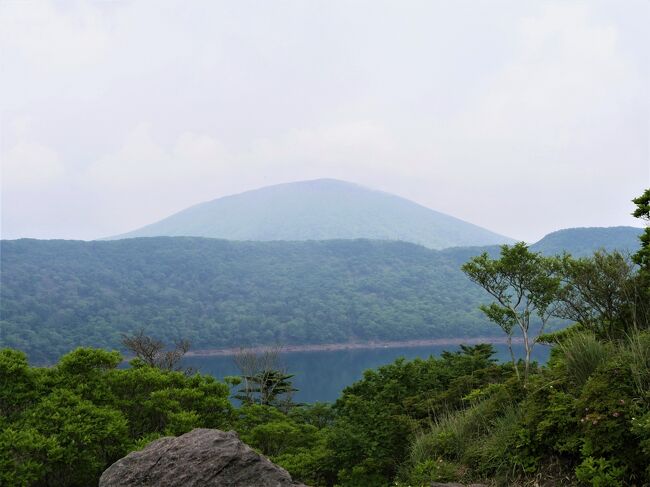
642	258
642	211
524	285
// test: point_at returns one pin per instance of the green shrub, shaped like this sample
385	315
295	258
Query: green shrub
599	472
433	470
311	464
552	421
24	455
606	408
641	428
608	405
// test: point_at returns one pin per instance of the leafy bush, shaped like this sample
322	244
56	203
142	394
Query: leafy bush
607	404
599	472
641	428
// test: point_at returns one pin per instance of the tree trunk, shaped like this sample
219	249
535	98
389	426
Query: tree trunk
512	356
527	360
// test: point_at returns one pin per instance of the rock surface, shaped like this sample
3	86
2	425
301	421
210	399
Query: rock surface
202	457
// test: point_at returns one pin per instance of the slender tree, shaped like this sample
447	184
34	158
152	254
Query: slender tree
524	286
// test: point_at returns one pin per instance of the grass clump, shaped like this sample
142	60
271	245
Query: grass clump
583	354
638	348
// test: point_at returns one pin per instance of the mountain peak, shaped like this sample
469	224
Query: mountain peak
319	209
321	184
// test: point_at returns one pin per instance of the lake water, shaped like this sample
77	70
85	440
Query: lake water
321	376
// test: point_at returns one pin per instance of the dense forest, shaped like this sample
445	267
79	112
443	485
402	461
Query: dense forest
57	295
62	294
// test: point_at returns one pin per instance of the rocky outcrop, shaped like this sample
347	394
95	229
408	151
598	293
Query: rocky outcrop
200	458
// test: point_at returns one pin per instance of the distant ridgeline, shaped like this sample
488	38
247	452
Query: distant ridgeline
59	294
581	242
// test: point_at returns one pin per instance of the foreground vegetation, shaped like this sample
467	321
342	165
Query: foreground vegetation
581	419
584	417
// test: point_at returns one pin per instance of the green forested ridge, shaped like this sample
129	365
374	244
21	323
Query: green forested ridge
57	295
322	209
61	294
581	242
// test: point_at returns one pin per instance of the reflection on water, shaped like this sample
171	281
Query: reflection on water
321	376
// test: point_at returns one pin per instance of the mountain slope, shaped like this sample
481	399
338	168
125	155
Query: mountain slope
581	242
319	210
57	294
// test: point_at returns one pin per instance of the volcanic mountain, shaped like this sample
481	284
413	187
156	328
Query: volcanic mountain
321	209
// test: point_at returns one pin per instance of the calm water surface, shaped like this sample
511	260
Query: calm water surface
321	376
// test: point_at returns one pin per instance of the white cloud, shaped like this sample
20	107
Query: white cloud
28	165
154	178
40	34
566	71
361	143
142	163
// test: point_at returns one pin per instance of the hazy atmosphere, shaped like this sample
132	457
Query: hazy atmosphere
324	243
520	117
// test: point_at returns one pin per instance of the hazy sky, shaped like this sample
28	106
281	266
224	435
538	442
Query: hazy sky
520	116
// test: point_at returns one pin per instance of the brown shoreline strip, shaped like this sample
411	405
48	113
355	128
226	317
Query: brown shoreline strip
335	347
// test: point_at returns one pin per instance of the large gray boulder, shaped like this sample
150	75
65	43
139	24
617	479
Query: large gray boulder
200	458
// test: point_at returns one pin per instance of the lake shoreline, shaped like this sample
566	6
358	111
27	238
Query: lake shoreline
336	347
